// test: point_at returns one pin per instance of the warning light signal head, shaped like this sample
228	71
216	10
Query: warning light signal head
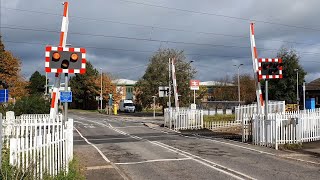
65	60
65	64
56	56
74	57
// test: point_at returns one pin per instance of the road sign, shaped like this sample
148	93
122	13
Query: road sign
163	91
4	95
194	84
66	96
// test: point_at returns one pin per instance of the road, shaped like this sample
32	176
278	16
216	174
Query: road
124	148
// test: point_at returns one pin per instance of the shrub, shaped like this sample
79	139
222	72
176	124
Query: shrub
32	105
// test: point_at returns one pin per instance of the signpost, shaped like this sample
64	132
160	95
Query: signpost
163	91
194	85
66	96
4	95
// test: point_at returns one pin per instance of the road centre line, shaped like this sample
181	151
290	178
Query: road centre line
120	127
154	160
104	139
212	165
230	144
103	156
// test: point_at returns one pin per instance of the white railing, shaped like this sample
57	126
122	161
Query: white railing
250	109
39	144
221	124
183	118
286	128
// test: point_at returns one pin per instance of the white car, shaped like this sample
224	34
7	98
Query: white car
127	106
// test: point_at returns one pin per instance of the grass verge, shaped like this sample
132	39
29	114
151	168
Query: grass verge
219	117
8	172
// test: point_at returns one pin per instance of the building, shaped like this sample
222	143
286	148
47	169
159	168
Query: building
313	91
125	87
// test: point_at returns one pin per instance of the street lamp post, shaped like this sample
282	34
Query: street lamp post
154	106
238	82
101	90
298	99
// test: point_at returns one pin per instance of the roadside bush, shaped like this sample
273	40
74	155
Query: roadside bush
32	105
219	117
8	172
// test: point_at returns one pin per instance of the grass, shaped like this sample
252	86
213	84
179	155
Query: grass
8	172
219	117
290	146
76	172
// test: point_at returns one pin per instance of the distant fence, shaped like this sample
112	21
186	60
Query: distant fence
249	110
221	124
286	128
183	118
38	143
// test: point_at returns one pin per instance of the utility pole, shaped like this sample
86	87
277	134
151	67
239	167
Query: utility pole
101	90
298	99
304	95
169	105
239	99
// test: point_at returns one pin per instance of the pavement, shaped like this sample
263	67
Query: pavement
312	148
115	147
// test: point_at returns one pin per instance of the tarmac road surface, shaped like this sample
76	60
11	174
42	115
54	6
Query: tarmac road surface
124	148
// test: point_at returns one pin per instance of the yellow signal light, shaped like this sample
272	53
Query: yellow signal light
74	57
56	56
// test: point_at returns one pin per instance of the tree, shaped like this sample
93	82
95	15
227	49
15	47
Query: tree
107	88
84	88
285	89
10	73
224	90
247	87
37	83
156	75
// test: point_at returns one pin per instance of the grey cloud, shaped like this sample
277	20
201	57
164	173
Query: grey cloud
212	63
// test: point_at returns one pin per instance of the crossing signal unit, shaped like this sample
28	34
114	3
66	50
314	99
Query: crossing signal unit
65	60
270	68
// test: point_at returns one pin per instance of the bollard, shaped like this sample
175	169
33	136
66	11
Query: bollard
115	110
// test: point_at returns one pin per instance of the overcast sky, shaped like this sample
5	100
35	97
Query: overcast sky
121	35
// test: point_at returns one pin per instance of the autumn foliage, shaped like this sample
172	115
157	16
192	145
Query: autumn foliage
10	67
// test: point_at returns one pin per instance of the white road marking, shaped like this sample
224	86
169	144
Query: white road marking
126	137
81	123
198	159
99	167
121	127
154	160
103	156
230	144
262	152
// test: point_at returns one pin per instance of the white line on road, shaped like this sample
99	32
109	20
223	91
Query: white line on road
154	160
210	164
126	137
103	156
259	151
121	127
81	123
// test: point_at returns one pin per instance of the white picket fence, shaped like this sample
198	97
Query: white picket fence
39	144
221	124
286	128
250	109
183	119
